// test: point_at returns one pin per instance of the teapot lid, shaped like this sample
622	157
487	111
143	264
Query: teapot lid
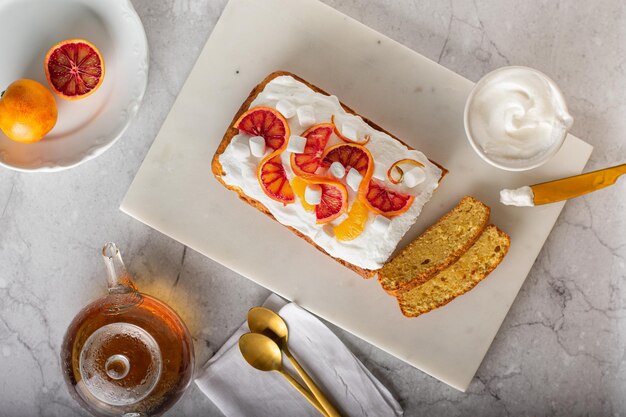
120	364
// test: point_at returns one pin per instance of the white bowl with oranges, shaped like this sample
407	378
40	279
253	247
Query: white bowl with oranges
73	77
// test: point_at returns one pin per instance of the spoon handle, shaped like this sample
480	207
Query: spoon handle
319	395
304	392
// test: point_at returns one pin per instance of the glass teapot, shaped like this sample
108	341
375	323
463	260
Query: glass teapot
126	354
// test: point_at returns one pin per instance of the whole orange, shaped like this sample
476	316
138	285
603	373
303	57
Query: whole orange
27	111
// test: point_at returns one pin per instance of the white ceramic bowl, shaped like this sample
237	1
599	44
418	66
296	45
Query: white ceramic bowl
510	164
87	127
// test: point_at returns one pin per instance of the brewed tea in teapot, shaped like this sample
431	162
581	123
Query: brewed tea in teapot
126	354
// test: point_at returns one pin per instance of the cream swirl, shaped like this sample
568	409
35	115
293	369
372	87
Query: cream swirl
517	114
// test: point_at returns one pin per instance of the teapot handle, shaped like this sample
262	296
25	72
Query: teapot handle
118	280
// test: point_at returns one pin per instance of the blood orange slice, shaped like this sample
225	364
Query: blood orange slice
299	187
354	225
74	69
267	123
334	201
273	179
385	201
306	163
350	155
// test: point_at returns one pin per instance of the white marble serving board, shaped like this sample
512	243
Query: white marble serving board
409	95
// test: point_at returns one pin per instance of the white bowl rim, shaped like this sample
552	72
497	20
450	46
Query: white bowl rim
114	138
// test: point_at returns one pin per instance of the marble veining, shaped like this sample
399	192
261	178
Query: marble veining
561	349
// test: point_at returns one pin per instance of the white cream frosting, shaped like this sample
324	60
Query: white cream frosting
521	197
517	114
370	249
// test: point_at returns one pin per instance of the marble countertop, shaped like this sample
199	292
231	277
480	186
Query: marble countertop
562	348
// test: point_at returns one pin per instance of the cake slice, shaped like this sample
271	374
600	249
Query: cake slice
439	246
463	275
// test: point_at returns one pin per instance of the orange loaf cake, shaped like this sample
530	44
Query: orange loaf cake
335	179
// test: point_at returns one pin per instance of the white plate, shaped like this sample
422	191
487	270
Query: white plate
407	94
85	128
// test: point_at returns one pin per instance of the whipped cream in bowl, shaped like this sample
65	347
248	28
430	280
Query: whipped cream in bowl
516	118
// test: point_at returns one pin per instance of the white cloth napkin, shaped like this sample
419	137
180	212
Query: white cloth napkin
240	390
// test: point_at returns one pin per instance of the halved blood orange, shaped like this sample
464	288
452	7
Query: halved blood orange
306	163
350	155
74	69
384	200
273	179
346	139
334	200
267	123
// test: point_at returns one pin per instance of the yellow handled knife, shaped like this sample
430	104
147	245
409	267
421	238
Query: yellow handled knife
563	189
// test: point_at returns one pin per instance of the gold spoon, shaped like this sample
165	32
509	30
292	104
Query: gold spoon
266	322
263	353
